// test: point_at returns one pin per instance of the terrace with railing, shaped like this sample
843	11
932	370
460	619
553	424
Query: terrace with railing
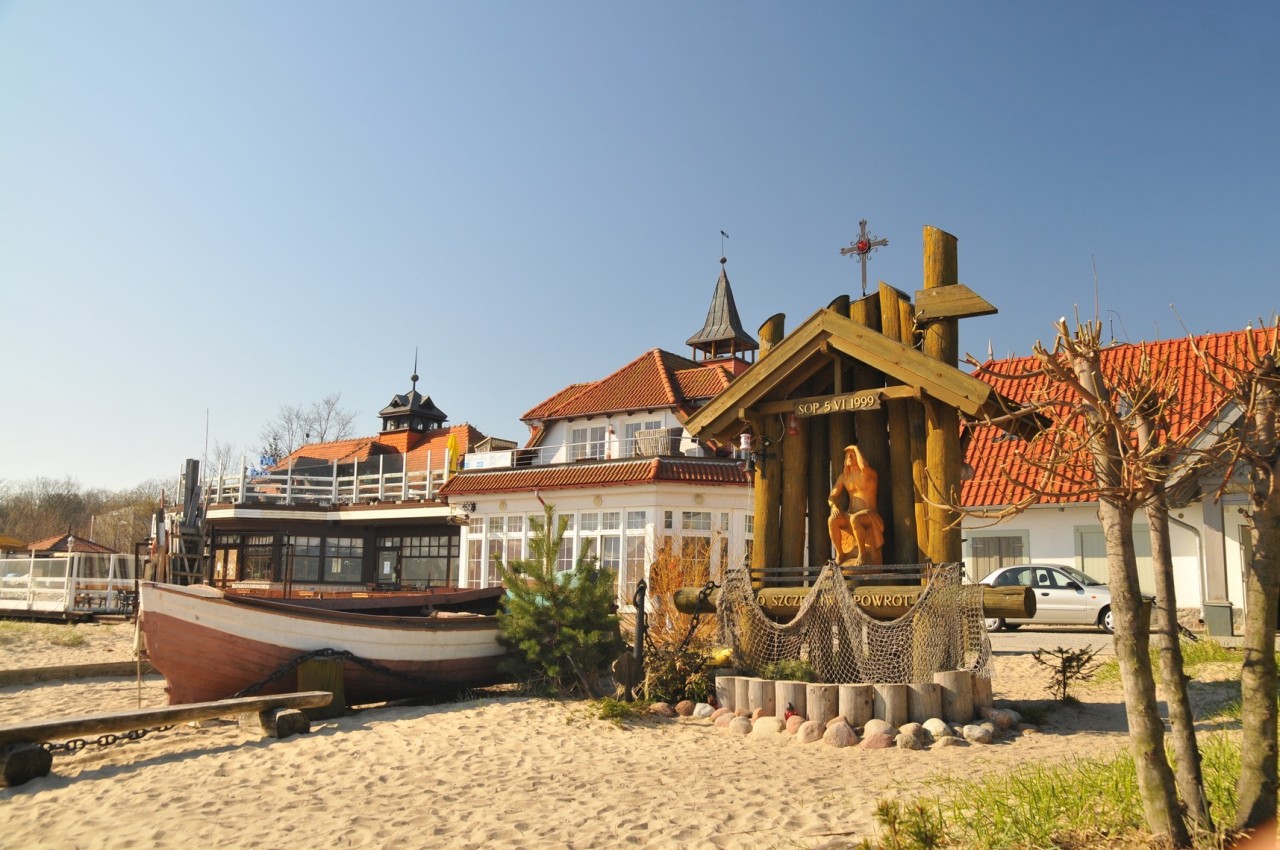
382	478
82	583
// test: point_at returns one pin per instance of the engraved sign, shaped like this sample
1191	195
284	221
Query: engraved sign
847	403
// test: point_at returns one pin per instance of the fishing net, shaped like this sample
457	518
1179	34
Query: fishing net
943	630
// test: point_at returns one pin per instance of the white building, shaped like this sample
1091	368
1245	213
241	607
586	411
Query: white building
613	457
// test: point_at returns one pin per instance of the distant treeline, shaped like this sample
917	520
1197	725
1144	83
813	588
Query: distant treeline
44	507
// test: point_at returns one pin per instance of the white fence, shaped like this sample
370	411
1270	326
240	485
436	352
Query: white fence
323	485
79	583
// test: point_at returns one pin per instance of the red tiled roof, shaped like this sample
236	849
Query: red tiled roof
704	382
997	457
367	449
596	474
83	545
656	379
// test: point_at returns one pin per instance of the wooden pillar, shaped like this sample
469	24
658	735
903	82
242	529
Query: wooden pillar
856	704
761	695
792	694
902	492
726	687
795	493
768	484
942	422
819	487
957	695
924	700
822	701
871	427
890	703
839	426
741	694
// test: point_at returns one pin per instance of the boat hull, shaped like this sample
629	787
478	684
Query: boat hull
210	647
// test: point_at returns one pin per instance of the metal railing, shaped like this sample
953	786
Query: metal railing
324	485
79	583
664	442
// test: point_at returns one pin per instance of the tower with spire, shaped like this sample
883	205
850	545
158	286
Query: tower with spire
722	337
412	411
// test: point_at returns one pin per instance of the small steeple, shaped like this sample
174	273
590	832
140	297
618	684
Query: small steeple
722	336
412	411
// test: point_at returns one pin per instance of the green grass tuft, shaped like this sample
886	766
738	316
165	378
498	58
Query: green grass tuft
16	631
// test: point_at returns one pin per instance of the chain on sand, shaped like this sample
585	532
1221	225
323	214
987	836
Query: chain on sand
943	631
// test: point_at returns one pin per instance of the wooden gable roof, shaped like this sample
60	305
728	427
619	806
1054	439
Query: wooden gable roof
824	336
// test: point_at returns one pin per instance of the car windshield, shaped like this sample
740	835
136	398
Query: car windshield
1082	578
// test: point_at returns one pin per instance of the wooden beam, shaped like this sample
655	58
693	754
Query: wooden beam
902	493
795	493
942	422
871	426
881	603
122	721
954	301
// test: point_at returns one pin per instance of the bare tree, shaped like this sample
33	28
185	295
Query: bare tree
1250	454
296	425
1108	435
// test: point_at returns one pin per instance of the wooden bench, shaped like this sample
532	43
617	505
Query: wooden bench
22	757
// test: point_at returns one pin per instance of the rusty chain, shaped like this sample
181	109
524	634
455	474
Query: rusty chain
75	745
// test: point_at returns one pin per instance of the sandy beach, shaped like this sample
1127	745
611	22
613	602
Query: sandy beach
497	771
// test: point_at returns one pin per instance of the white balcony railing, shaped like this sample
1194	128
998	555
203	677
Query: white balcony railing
324	485
659	442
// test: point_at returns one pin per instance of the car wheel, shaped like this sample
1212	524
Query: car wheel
995	624
1106	622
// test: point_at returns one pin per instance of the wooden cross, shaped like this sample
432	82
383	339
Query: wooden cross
862	248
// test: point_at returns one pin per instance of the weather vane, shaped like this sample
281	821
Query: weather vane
862	248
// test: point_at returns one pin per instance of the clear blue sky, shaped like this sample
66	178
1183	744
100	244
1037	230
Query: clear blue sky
227	206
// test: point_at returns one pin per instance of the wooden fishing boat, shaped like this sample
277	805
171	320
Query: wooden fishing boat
210	645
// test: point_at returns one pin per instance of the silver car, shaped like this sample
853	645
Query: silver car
1064	596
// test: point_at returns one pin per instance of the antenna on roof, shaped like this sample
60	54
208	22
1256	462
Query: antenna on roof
414	377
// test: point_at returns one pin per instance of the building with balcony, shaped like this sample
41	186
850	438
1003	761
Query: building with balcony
348	515
612	456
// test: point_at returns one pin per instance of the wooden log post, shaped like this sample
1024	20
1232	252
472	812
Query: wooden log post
726	687
902	493
741	694
871	428
942	421
822	701
819	546
324	674
795	492
957	695
982	697
794	694
857	704
839	425
761	695
889	703
768	484
924	700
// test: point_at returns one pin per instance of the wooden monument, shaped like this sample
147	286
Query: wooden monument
853	422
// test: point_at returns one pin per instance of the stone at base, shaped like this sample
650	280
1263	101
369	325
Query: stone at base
22	762
276	723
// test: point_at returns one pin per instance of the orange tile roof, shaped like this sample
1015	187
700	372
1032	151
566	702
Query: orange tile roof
656	379
997	458
702	471
367	449
82	545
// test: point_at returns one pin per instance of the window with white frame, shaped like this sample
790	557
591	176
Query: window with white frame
629	432
636	535
587	443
